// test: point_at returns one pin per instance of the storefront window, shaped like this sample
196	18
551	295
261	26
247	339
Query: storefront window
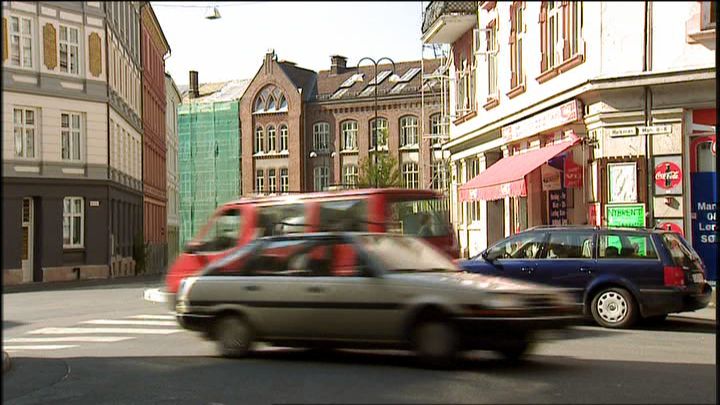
520	220
705	158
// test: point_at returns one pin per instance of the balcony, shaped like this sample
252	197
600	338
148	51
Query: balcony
446	21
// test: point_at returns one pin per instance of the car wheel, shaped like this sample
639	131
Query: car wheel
435	342
515	349
234	336
614	308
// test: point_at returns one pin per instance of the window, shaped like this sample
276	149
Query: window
626	246
346	215
73	218
561	33
349	135
283	138
439	176
69	50
272	181
223	232
259	140
322	177
24	130
419	217
705	157
473	169
554	31
350	176
270	99
70	133
681	254
280	220
271	138
259	181
523	246
284	181
464	91
21	40
410	175
321	136
709	18
517	29
408	131
574	30
567	245
436	129
379	132
492	49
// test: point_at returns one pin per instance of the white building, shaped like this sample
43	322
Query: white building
630	86
173	99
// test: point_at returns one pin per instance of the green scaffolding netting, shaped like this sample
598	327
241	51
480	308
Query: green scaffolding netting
209	160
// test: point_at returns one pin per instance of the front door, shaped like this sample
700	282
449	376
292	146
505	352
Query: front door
27	239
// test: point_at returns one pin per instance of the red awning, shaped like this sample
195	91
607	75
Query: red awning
506	178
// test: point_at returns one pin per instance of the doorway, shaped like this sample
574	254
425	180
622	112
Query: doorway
28	239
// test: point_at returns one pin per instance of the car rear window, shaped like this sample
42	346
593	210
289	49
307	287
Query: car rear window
681	255
615	246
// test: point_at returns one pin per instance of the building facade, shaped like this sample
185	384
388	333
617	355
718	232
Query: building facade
154	48
125	134
611	105
56	206
308	131
172	99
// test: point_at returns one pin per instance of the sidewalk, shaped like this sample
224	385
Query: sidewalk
705	314
146	279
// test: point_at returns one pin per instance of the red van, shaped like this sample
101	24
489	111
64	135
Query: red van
423	213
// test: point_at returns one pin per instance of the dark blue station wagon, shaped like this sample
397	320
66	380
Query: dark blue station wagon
616	275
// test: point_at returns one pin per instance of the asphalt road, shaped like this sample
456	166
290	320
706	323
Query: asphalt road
104	344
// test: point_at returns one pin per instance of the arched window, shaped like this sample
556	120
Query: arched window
259	140
271	138
270	100
408	131
321	136
379	132
283	138
349	135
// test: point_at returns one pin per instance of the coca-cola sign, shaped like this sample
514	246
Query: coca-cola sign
668	175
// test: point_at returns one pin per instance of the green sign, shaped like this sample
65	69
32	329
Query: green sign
625	215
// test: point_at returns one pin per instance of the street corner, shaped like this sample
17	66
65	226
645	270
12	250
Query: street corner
6	361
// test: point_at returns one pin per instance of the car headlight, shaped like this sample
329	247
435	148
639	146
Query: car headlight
502	301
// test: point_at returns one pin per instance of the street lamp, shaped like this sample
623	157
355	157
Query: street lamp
392	78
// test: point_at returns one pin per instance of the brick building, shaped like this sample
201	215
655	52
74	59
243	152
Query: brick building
154	47
307	131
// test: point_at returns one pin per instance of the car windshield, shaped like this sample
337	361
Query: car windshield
405	254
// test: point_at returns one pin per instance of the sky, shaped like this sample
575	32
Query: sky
307	33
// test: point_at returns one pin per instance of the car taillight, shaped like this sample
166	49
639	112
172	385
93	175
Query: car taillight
674	276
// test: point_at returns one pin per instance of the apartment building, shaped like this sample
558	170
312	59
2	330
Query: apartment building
580	113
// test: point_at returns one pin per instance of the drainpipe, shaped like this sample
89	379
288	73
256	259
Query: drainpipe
647	67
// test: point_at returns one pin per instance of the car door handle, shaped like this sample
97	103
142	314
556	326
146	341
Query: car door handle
527	270
252	288
315	289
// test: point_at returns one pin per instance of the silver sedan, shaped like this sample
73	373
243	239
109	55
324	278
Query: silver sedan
354	290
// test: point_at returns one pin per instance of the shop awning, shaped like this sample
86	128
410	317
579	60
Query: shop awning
506	178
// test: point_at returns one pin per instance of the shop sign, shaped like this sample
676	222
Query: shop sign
673	225
573	174
558	207
668	175
658	129
551	178
625	215
550	119
618	132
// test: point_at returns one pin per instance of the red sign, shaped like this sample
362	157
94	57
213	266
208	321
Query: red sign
667	175
573	174
547	120
671	226
594	214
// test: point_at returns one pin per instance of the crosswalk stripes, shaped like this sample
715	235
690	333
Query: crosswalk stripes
106	331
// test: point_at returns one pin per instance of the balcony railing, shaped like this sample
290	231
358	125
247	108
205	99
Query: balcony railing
436	9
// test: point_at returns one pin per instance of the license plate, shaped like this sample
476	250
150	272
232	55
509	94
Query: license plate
698	277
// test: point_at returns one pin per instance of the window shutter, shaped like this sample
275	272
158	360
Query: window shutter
543	37
50	46
566	29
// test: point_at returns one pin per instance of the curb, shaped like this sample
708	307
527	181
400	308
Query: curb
6	361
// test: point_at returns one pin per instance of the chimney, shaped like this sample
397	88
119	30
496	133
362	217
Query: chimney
338	65
269	57
193	90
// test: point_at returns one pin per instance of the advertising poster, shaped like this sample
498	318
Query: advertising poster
670	224
704	192
668	175
558	207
